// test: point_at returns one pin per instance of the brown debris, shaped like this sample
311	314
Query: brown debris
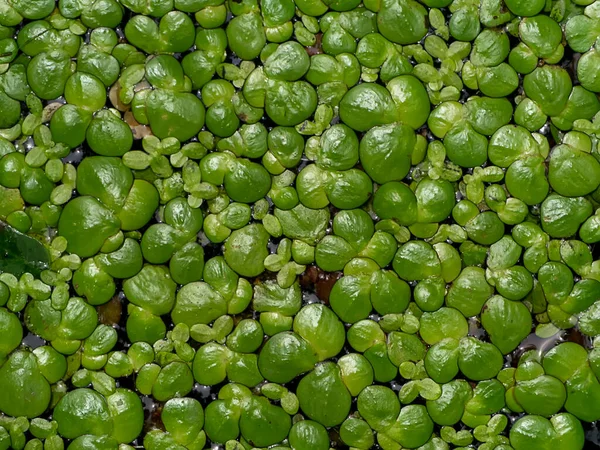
110	313
113	95
49	111
139	131
320	281
142	86
152	419
316	49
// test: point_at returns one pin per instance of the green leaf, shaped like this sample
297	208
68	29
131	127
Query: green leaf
21	253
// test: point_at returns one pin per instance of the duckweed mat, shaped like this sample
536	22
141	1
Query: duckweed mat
299	224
